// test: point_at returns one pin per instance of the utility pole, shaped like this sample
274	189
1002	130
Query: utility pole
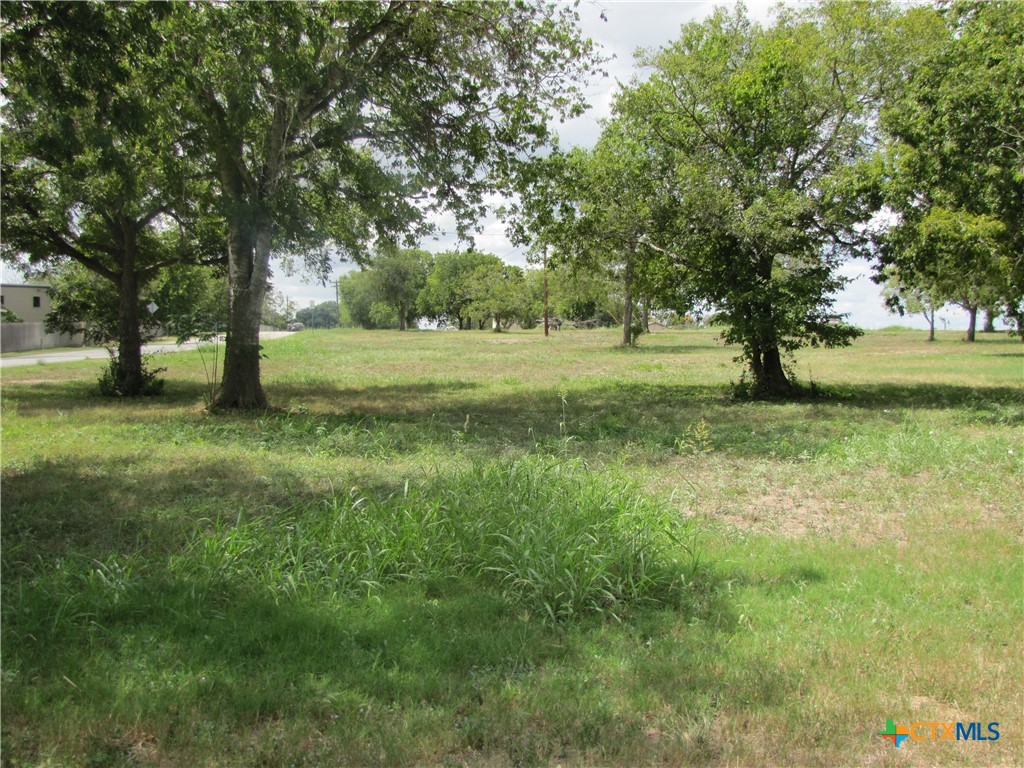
337	299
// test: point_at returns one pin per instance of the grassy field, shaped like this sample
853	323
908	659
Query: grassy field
487	550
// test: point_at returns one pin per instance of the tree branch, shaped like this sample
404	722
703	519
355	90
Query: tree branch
230	159
69	250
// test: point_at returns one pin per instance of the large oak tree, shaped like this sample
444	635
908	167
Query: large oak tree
333	125
759	128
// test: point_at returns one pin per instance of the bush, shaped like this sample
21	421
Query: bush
112	385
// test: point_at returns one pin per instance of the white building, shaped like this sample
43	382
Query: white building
29	302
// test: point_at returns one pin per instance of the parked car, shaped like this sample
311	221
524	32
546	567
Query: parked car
294	327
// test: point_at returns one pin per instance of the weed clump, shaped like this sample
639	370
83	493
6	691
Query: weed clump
112	382
552	538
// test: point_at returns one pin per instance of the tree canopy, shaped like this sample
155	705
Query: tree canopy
344	123
954	162
758	130
322	315
448	291
93	171
398	277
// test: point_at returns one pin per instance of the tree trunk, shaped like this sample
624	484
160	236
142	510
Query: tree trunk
647	316
769	376
248	266
403	324
545	290
627	310
972	314
129	337
989	325
930	315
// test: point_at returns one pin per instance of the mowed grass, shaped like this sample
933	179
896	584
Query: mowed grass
498	549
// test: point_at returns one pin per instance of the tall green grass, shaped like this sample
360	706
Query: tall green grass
552	538
336	598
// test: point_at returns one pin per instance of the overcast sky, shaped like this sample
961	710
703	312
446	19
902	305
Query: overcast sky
629	25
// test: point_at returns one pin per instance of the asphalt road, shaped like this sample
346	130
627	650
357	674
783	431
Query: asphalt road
100	353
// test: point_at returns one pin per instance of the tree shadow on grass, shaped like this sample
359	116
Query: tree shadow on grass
96	507
638	397
39	397
619	417
449	666
395	395
384	422
112	617
934	396
36	397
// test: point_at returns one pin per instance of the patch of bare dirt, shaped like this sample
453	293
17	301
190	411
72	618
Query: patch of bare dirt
795	516
793	513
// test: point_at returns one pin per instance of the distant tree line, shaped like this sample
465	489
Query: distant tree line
468	290
322	315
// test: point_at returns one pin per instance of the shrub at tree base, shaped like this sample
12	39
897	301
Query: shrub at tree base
112	382
550	537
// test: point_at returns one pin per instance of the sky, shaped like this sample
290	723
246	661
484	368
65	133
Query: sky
628	25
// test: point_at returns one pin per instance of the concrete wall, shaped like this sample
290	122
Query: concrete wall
22	337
